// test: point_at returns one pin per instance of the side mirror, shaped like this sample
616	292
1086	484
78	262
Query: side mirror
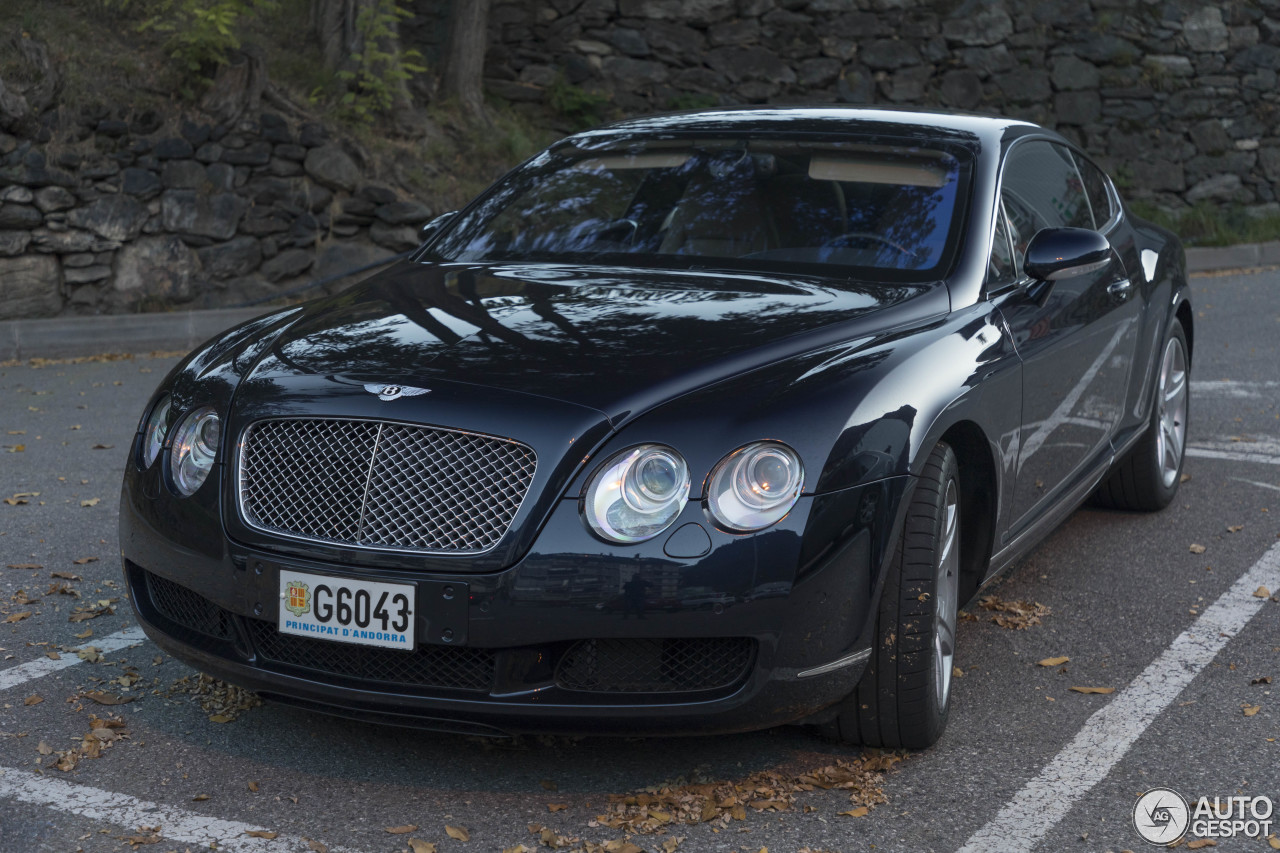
1057	253
434	226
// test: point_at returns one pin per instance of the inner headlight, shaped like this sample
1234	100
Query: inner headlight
154	432
194	449
637	493
755	486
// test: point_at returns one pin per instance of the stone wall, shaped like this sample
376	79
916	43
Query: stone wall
133	217
1177	99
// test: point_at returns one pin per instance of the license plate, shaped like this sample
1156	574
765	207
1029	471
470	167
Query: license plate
346	610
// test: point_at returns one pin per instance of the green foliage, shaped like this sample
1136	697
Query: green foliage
692	101
381	69
1209	224
200	33
583	109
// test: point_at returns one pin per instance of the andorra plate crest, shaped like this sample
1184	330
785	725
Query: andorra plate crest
298	598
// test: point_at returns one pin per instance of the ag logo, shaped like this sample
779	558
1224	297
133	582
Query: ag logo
1161	816
298	599
395	392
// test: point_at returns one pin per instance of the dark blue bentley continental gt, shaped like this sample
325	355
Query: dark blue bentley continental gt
694	423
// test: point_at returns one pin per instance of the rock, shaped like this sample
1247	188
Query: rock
14	242
80	259
888	54
906	85
629	41
160	268
819	72
1205	32
312	135
19	216
516	93
672	40
254	154
1078	108
189	212
114	217
1027	87
287	264
222	178
184	175
750	63
62	242
400	238
30	286
358	206
1210	137
1269	159
404	213
261	221
112	128
52	199
330	166
173	148
275	128
142	183
290	152
210	152
17	194
740	31
1217	188
376	194
96	167
961	89
990	26
1070	73
238	256
85	275
284	168
1168	66
196	134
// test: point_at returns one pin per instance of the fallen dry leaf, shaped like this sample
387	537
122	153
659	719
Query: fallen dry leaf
401	830
253	786
1017	615
1262	592
548	785
457	833
1266	679
557	807
53	656
672	844
1103	690
1250	710
66	576
860	811
17	617
85	561
199	798
1274	842
417	845
33	699
316	846
91	502
25	566
1201	842
1196	548
15	448
85	634
1059	661
220	718
103	446
957	672
261	833
44	749
103	698
1234	528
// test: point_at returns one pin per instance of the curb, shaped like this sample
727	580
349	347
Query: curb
71	337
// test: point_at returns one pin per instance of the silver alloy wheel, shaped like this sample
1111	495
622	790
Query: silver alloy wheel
1171	434
946	592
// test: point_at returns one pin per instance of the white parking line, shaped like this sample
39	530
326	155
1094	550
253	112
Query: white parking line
39	668
129	813
1256	483
1232	388
1109	733
1232	455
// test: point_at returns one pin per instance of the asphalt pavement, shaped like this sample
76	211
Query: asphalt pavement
1026	763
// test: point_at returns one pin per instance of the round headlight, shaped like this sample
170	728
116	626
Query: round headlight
755	486
156	429
194	449
637	493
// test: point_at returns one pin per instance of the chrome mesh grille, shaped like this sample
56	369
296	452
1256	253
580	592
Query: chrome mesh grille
382	485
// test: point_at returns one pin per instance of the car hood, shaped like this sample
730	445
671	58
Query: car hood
618	340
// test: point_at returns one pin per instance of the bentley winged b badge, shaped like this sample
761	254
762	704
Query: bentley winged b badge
395	392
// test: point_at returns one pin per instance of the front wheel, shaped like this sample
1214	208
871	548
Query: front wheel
1147	477
905	693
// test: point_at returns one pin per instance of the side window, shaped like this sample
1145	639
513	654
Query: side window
1095	187
1001	269
1042	189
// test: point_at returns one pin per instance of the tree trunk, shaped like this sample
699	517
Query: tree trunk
464	66
237	88
334	22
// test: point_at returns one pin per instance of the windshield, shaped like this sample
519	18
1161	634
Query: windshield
723	202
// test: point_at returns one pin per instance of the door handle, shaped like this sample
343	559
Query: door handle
1120	289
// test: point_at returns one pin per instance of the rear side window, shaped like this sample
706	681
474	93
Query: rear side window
1042	188
1095	187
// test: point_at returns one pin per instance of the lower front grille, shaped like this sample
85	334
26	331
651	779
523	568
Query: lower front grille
187	608
448	667
655	666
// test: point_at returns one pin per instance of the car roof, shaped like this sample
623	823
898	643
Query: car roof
822	119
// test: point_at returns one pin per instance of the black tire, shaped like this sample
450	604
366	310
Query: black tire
1141	481
896	704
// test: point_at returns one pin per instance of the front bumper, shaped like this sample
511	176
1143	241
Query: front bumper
794	598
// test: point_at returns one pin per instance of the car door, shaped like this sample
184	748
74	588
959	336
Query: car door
1076	336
